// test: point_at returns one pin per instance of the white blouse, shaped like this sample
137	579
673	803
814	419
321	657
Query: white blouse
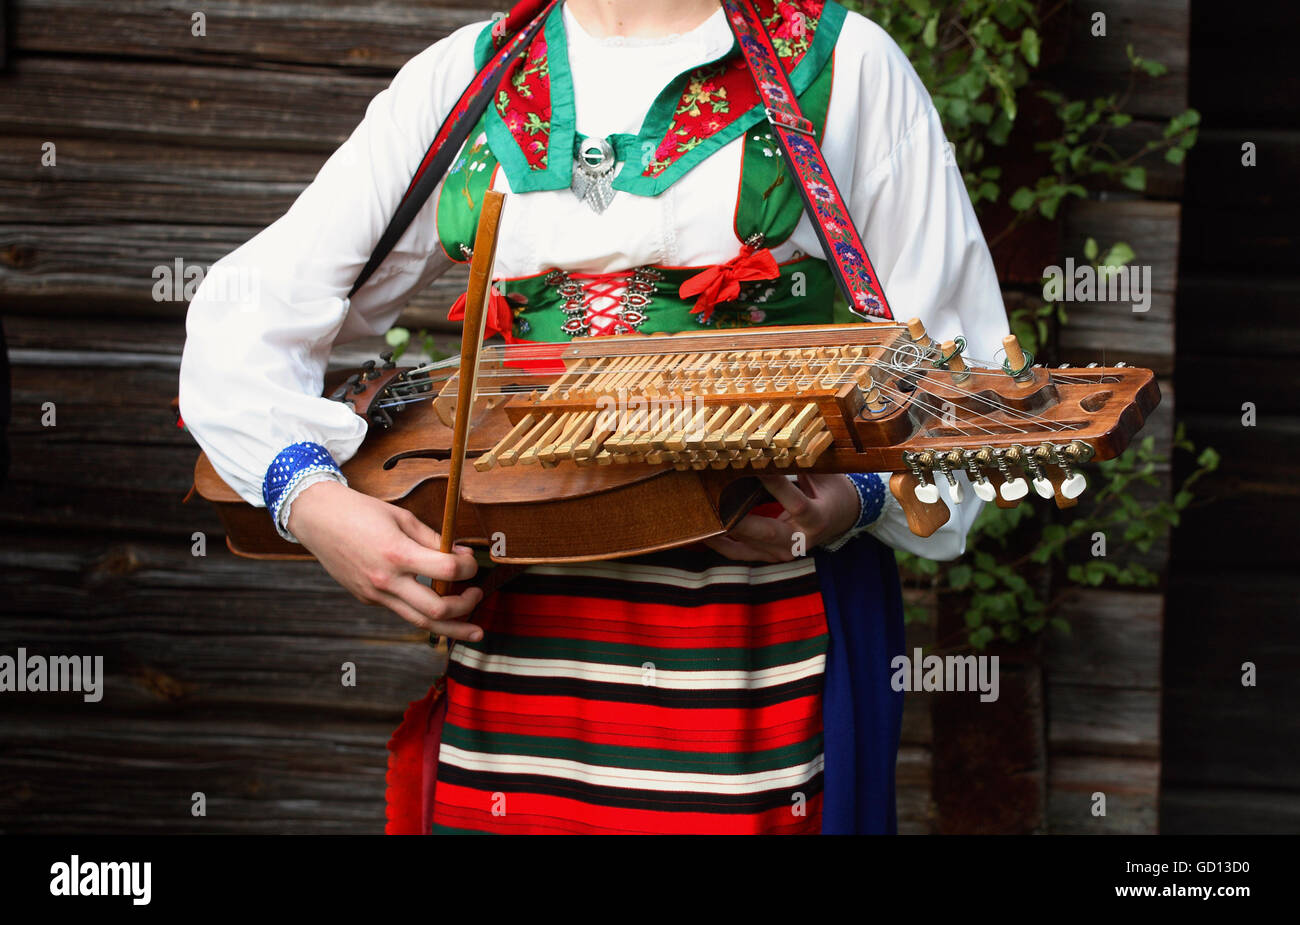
252	372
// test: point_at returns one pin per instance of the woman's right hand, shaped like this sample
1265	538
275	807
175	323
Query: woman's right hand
376	550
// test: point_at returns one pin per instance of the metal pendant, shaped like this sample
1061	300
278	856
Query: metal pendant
593	173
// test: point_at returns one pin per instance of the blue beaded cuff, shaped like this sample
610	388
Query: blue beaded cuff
871	501
871	494
289	468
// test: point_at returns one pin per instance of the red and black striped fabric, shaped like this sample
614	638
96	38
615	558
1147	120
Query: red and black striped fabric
674	693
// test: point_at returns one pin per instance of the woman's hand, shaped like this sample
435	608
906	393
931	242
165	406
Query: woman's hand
376	551
820	506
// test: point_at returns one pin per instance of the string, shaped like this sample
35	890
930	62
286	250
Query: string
811	371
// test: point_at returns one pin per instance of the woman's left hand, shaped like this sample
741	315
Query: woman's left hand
820	506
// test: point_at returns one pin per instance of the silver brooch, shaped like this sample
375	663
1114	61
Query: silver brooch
593	173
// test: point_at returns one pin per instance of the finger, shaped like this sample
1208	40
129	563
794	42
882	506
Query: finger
762	531
434	606
440	566
447	618
786	492
740	552
418	530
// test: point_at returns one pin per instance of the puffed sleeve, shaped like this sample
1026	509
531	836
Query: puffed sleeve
920	230
261	325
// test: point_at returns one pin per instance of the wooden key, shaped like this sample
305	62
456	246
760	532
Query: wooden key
489	459
510	456
739	438
763	436
789	434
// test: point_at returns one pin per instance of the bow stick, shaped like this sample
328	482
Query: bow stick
476	300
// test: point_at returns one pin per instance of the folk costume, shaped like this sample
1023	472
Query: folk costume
682	691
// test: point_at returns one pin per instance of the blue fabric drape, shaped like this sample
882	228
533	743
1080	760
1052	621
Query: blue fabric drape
861	714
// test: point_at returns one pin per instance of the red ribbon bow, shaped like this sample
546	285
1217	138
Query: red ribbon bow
721	283
500	315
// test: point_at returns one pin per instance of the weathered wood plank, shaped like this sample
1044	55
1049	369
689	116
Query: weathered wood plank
1094	720
912	781
1228	811
285	773
178	631
107	182
335	33
75	269
183	104
1097	65
1205	302
1151	228
1132	792
1114	640
1220	731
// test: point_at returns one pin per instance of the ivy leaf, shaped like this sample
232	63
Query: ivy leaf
930	35
1090	249
1135	178
399	339
1175	155
959	576
1118	255
1030	46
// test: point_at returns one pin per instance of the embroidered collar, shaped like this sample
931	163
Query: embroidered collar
530	126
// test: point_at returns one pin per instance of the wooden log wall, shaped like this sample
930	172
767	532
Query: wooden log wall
1230	749
224	677
1102	683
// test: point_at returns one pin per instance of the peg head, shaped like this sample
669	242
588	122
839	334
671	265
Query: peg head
1014	489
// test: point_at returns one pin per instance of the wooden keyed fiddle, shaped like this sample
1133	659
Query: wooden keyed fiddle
618	445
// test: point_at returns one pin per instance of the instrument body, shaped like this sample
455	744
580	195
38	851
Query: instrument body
641	443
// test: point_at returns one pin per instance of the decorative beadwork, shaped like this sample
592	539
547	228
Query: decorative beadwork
871	495
871	502
604	303
290	467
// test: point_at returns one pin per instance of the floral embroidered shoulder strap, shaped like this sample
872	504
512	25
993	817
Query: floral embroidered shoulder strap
830	219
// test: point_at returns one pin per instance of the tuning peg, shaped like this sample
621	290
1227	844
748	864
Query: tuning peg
1074	486
984	489
916	331
1043	486
1014	489
927	493
387	357
956	493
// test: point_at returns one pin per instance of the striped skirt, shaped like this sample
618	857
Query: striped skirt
674	693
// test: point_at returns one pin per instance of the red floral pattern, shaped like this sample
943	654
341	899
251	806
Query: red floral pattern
524	103
718	94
